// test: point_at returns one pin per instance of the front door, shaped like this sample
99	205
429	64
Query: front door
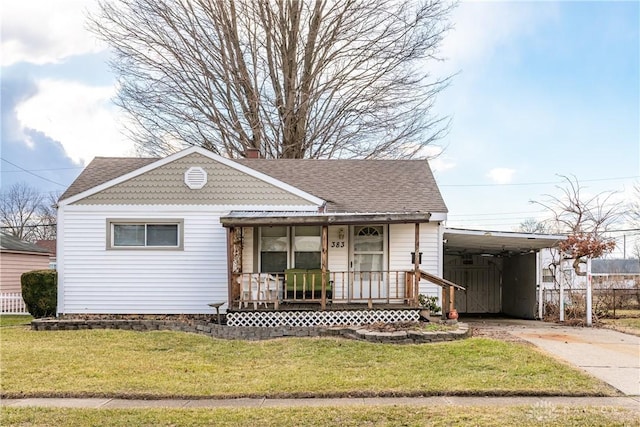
368	265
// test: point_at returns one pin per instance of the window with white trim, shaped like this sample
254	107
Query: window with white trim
153	234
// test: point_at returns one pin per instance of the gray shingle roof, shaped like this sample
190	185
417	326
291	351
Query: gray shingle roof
103	169
615	266
347	185
13	244
359	185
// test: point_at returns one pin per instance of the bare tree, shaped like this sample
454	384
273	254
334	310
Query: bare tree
291	78
532	225
47	215
27	214
585	219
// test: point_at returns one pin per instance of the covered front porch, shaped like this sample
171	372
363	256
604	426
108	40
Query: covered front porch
309	261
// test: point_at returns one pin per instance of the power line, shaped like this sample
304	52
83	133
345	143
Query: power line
31	173
43	170
497	213
536	183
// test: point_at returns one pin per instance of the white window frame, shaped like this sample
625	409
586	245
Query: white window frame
112	222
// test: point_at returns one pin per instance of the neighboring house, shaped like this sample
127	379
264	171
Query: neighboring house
50	246
617	273
606	272
17	257
141	235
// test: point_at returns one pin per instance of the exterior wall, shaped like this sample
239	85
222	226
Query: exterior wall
165	185
519	286
248	250
95	280
12	265
482	280
402	243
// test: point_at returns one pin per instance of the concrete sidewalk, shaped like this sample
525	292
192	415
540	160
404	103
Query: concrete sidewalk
628	402
608	355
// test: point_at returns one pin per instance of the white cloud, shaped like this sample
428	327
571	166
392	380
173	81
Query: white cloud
45	31
82	118
481	29
501	175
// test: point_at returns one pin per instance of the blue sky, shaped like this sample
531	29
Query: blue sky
543	88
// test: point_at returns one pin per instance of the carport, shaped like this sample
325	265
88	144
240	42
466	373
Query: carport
500	270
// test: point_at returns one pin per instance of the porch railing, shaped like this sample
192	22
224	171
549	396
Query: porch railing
257	290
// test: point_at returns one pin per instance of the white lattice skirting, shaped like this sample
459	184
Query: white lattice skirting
319	318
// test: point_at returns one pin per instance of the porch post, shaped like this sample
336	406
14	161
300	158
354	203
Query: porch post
445	303
231	235
416	265
324	266
452	297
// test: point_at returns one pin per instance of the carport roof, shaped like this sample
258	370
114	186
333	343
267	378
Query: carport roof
459	241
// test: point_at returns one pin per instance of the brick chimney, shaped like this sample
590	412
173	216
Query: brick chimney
252	153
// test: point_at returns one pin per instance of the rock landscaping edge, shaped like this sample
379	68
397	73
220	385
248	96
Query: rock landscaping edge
255	333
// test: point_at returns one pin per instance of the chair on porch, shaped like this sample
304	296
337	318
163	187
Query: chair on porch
263	288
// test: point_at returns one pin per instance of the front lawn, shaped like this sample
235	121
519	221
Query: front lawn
522	416
624	324
161	364
14	320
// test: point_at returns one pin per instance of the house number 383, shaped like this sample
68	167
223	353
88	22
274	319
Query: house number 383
337	244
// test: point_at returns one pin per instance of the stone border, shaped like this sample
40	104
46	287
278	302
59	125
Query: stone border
254	333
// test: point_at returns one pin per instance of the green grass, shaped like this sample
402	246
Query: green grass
14	320
157	364
624	324
522	416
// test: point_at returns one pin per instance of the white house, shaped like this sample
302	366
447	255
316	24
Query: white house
171	235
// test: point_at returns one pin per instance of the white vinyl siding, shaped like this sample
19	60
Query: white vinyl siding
402	243
247	250
96	280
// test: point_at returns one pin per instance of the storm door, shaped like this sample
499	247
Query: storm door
368	263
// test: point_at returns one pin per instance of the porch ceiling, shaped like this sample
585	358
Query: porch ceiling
459	241
267	218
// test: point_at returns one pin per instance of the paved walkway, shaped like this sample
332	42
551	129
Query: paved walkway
608	355
631	403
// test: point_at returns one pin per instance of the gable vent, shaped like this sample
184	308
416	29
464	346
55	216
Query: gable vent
195	178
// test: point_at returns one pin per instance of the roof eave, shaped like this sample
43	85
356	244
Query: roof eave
326	219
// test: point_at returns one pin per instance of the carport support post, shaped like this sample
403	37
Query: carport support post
539	283
589	295
561	283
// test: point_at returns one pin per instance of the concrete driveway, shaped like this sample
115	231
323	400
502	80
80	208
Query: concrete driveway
609	355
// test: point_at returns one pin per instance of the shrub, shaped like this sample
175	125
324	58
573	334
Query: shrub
40	292
429	302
